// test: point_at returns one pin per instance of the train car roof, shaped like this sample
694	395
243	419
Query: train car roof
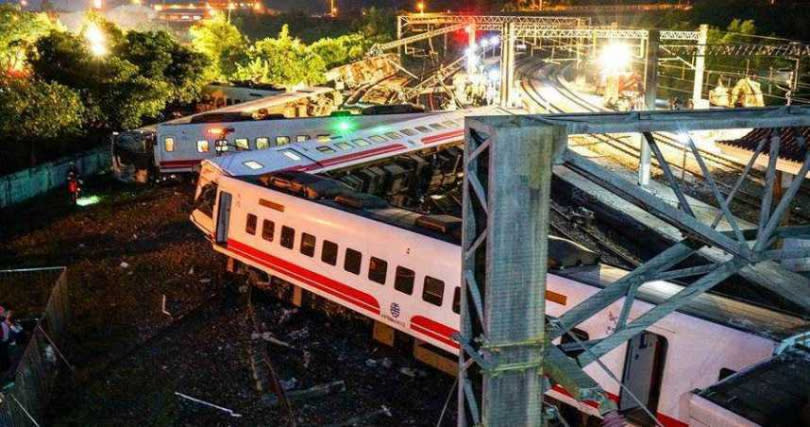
736	314
773	392
353	147
363	120
246	107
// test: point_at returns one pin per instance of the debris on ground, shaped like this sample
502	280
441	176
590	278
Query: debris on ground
131	356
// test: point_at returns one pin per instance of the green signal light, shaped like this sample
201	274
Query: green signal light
344	126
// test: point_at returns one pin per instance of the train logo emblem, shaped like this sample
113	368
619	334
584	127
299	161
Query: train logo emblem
395	309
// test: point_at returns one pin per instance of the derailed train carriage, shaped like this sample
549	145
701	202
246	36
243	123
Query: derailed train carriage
347	222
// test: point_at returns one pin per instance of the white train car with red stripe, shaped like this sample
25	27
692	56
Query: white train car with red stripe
281	212
179	145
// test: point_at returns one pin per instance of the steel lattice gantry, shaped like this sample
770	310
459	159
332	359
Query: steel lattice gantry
508	161
484	22
785	50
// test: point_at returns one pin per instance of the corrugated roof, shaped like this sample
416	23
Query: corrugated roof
789	148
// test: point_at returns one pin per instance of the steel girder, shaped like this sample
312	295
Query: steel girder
751	252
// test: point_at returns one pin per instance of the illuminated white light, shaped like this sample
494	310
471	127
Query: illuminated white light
87	201
494	40
253	164
683	137
615	57
484	42
97	40
494	75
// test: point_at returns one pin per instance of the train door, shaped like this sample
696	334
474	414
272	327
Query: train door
643	372
223	217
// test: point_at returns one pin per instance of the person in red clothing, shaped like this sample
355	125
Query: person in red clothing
73	183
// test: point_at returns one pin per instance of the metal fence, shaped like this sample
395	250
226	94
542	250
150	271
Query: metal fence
29	389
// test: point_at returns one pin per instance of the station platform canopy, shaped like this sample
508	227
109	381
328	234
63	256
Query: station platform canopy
792	150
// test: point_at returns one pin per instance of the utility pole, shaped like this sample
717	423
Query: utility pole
700	66
650	86
507	63
504	263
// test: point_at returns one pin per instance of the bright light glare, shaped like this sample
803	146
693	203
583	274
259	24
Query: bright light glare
683	138
484	42
344	126
97	40
87	201
494	75
494	40
615	57
98	4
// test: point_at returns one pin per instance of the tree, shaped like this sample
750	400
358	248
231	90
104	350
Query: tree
283	61
221	43
340	50
158	56
18	31
377	24
115	94
33	112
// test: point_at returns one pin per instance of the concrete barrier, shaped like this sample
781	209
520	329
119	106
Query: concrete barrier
26	184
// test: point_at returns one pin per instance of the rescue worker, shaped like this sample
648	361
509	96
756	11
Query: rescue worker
73	183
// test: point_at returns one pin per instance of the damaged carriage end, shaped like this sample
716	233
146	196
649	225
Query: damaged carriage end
205	197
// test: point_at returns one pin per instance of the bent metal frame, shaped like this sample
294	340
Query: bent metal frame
504	340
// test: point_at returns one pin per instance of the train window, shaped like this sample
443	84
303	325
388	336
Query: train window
323	138
437	126
329	252
250	224
353	261
450	124
376	139
403	281
433	291
291	155
344	145
253	164
360	142
287	237
282	140
262	143
725	372
301	138
268	230
457	300
423	129
241	144
325	149
168	144
221	145
308	244
569	345
409	132
393	135
377	270
202	146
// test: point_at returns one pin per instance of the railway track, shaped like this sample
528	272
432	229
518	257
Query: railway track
742	196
